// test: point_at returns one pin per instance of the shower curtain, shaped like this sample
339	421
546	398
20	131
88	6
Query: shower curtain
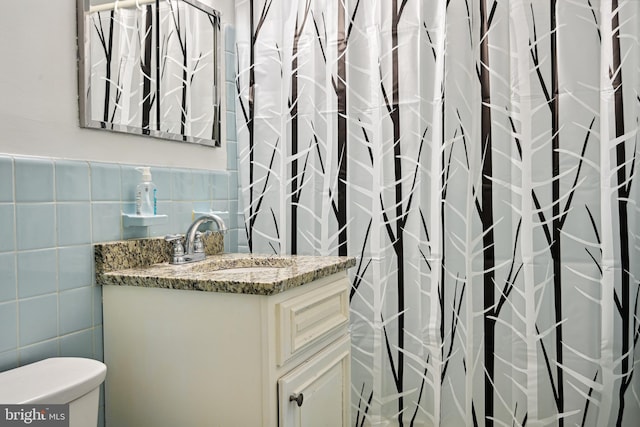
478	158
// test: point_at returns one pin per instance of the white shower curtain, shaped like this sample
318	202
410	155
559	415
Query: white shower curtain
478	158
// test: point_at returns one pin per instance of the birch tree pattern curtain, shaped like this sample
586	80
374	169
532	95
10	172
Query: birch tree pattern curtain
478	158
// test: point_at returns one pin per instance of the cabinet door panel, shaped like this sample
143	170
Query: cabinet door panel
323	382
309	317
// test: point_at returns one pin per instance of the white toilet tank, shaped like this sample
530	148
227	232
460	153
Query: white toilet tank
59	380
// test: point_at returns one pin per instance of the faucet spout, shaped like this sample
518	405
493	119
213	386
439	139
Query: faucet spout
193	228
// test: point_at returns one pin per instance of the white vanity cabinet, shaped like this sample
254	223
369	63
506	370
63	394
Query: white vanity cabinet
192	358
317	389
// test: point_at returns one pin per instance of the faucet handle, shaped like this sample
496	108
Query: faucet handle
177	253
198	246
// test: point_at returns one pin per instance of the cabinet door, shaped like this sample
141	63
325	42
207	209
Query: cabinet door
320	314
317	393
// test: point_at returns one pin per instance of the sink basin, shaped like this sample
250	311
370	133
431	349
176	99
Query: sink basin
249	270
243	265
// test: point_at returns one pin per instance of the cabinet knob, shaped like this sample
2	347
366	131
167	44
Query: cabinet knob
298	398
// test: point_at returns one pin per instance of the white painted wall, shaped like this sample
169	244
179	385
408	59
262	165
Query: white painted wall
39	94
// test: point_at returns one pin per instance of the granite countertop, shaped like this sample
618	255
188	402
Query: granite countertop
233	273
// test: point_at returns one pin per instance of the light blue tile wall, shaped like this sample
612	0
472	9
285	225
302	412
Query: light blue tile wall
35	225
72	181
52	211
9	285
9	321
33	180
7	227
36	273
6	181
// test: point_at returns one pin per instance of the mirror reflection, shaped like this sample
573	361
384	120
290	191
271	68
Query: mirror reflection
150	67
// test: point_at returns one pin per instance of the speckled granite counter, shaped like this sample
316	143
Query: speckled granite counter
234	273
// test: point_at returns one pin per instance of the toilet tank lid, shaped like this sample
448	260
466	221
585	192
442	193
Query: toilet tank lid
51	381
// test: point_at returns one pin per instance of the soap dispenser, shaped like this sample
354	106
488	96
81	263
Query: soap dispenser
146	194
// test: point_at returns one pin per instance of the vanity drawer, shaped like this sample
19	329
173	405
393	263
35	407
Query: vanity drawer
311	316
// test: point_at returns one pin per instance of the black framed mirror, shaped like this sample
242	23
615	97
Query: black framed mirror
151	68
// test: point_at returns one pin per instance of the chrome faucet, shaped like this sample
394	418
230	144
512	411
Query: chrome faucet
193	247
